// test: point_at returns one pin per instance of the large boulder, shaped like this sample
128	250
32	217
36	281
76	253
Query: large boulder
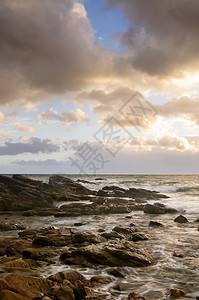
21	193
66	184
124	253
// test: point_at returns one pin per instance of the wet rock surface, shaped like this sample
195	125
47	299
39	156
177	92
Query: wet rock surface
158	208
125	253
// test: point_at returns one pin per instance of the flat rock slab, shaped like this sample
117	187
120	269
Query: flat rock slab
124	253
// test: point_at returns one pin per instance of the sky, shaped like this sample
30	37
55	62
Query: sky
99	87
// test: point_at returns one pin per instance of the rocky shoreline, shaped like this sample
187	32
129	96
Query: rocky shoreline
22	258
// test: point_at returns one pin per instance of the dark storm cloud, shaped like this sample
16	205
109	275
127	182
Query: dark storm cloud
163	37
34	145
47	47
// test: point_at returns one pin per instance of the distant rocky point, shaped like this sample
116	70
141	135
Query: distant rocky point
20	193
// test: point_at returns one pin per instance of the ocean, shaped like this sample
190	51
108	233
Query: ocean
174	247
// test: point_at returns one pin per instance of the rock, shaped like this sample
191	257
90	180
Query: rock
98	200
112	235
181	219
68	197
19	263
78	224
115	273
97	280
155	224
135	296
125	232
66	237
7	227
197	220
8	295
65	184
13	246
64	293
70	275
176	293
112	253
85	181
118	209
143	194
79	290
113	188
91	237
178	254
19	193
138	237
158	208
115	191
102	193
28	286
29	213
39	254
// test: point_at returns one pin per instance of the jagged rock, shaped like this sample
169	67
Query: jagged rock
21	193
112	254
63	183
181	219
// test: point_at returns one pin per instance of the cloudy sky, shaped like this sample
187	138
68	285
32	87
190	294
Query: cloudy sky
108	86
